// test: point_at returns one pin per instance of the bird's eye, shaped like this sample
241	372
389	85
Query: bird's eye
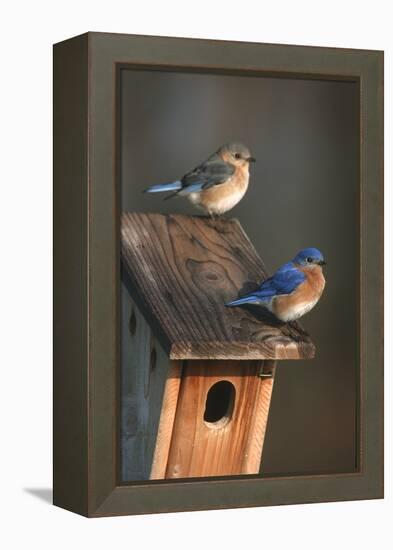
309	260
238	155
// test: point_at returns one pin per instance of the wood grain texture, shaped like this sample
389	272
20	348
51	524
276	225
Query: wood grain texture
232	445
144	371
167	419
181	270
254	448
81	400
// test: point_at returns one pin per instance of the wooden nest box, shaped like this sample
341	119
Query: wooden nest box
196	377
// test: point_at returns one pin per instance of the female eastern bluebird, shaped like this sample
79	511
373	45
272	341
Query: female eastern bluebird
293	290
217	184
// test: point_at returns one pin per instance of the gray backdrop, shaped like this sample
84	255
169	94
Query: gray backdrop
304	191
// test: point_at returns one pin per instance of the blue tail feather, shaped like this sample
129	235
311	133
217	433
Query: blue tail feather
193	188
159	188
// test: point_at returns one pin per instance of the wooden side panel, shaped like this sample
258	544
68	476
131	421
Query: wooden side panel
167	419
144	370
253	450
232	445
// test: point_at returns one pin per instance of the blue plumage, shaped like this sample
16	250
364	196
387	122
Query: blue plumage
309	256
284	281
193	188
159	188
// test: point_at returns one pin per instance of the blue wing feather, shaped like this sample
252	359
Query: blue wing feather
284	281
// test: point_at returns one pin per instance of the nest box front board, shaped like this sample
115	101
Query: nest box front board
196	377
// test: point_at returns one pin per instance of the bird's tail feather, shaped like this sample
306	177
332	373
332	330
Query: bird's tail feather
161	187
184	191
246	300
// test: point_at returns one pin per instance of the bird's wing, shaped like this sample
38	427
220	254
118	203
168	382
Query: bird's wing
284	281
212	172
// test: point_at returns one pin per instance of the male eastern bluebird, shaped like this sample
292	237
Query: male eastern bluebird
293	290
217	184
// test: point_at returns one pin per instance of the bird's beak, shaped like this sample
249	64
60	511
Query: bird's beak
251	159
322	262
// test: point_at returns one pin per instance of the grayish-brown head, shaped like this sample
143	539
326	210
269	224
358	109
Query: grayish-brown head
236	153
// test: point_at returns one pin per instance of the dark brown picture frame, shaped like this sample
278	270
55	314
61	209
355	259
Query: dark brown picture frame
87	273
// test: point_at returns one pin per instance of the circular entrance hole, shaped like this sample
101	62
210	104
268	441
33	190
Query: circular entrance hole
220	401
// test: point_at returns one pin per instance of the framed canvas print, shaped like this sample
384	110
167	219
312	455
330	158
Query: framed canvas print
218	260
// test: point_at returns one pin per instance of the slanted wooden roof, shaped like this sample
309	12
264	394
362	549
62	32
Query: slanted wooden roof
181	270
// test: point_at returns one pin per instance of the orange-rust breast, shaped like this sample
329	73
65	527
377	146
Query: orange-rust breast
315	280
224	196
289	307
